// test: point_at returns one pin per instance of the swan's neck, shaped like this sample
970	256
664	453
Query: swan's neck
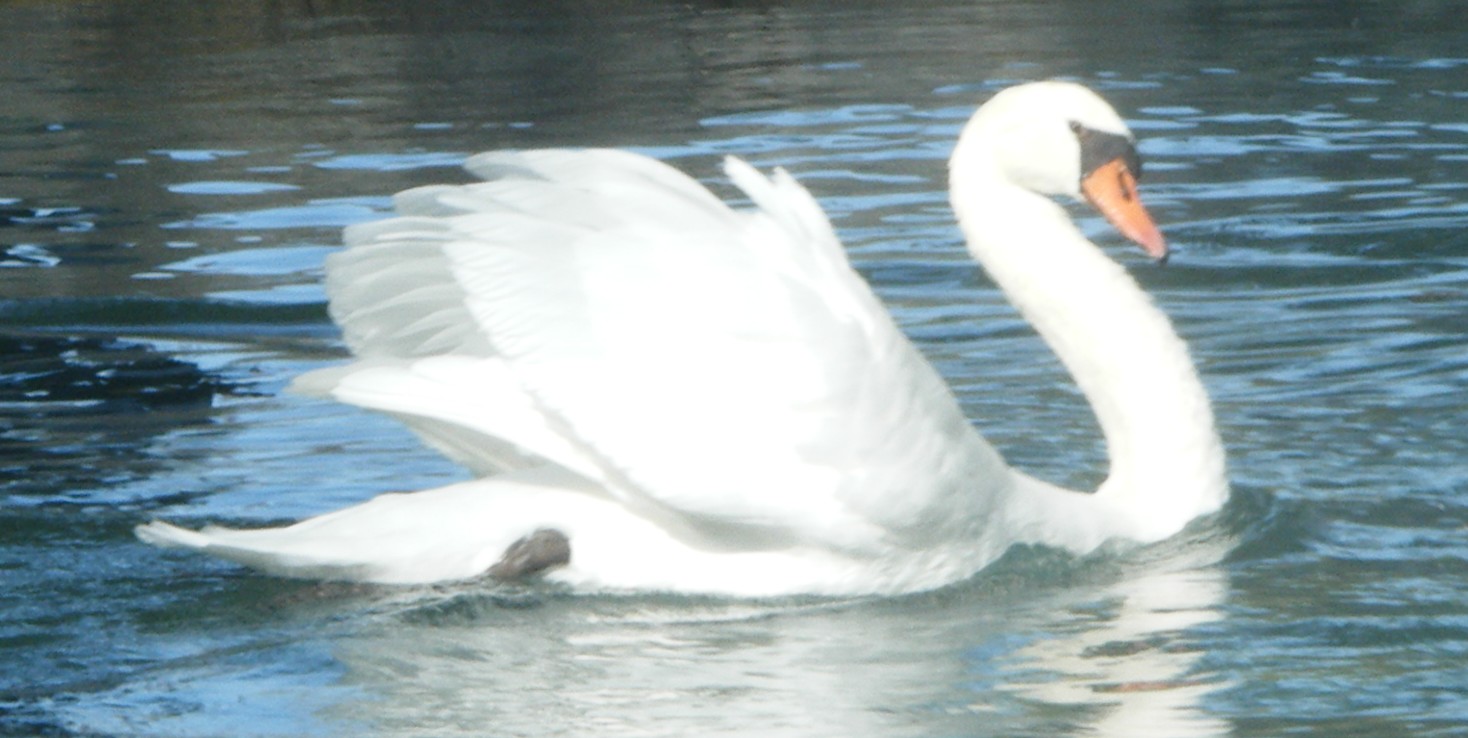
1167	463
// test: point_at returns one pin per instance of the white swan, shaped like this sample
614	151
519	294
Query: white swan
694	398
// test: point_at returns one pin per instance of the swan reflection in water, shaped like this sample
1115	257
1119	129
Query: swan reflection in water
1131	658
1106	661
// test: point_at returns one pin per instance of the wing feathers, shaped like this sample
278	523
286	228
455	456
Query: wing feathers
473	410
726	368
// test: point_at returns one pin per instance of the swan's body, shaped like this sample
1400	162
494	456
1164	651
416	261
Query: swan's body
708	400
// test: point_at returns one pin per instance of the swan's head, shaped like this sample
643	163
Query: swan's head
1061	139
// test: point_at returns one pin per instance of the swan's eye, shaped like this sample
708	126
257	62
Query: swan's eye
1083	134
1099	148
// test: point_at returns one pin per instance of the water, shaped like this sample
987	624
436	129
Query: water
173	174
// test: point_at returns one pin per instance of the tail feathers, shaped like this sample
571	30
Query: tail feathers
233	545
445	534
163	535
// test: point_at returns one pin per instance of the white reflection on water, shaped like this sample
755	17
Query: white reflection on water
1133	661
1015	655
1114	660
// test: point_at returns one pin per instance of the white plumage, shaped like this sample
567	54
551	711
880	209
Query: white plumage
705	399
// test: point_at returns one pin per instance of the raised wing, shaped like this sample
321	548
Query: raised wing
724	371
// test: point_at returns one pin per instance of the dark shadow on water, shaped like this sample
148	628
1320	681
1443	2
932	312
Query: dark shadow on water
1266	526
79	411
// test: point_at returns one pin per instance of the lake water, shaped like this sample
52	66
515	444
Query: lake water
173	173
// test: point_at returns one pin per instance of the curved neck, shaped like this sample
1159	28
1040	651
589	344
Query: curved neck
1167	463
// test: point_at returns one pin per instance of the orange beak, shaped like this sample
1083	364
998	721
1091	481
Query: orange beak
1112	189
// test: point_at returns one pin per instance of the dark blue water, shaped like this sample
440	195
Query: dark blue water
172	175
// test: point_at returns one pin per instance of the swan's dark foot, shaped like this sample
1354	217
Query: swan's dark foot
532	555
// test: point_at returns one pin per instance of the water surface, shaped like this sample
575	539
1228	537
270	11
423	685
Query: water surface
172	175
